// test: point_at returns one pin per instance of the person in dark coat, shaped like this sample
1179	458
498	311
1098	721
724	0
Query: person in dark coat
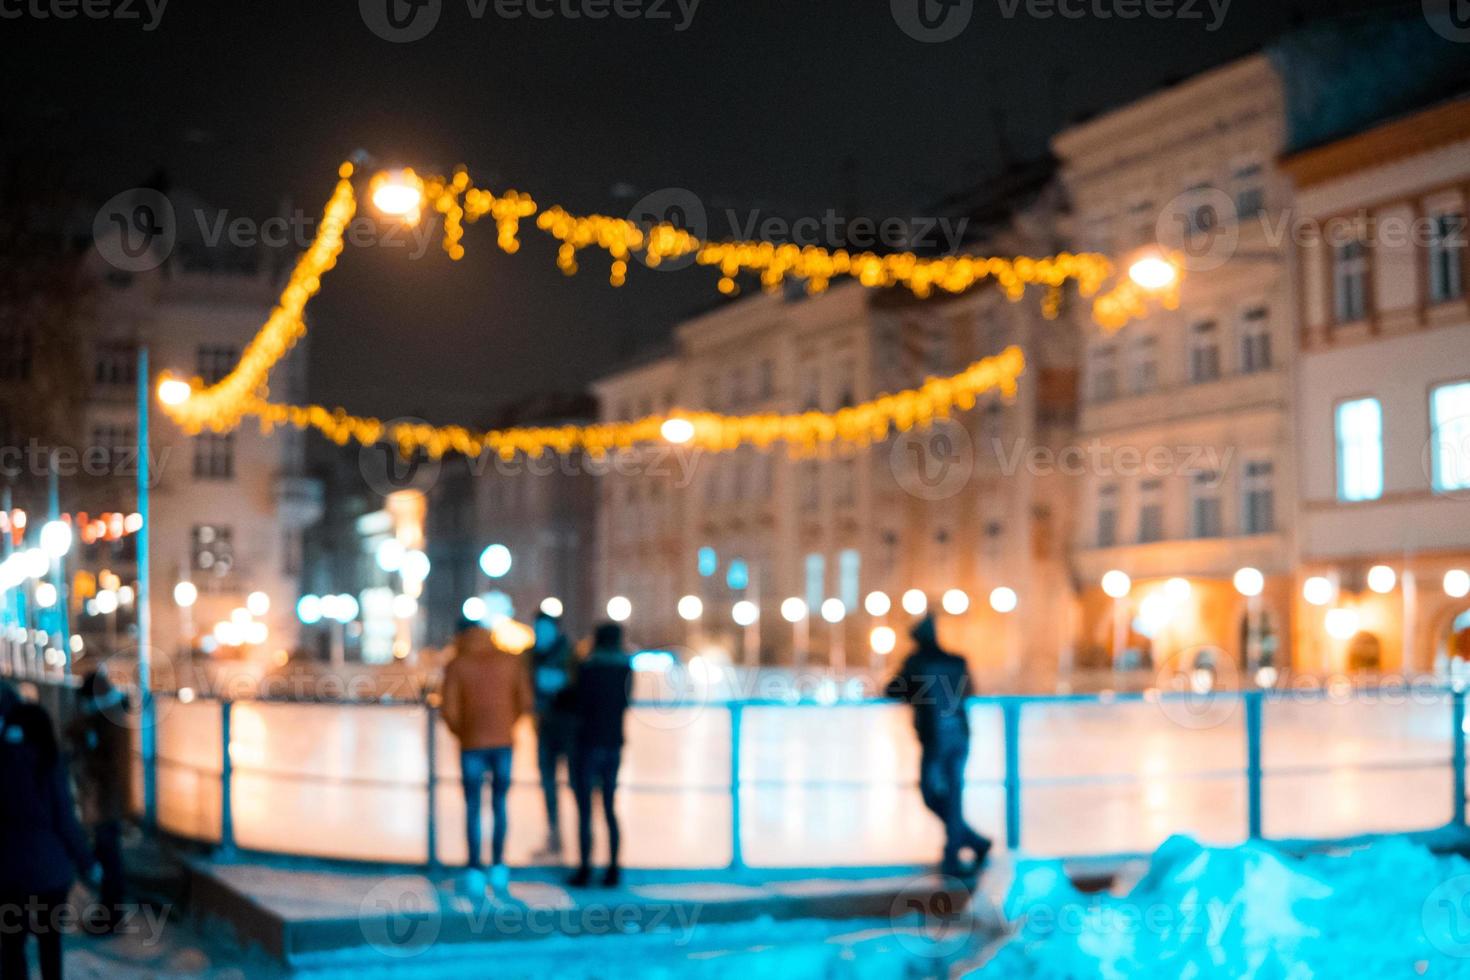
101	747
937	684
603	688
42	848
551	662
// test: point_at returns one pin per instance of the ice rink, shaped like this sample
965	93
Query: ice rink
824	785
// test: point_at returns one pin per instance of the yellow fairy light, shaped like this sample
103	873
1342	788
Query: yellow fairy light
404	194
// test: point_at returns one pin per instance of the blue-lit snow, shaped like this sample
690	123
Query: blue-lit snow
1389	909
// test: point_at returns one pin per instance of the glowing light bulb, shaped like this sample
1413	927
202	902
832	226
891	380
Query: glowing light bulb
1381	579
1317	590
1116	584
677	430
882	639
174	392
619	608
793	609
1003	599
690	607
915	602
1153	272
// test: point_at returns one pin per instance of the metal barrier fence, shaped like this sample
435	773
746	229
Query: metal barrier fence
765	783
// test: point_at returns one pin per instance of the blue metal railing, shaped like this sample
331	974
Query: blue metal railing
1012	783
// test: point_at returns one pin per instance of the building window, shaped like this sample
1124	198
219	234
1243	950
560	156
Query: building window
1104	374
1359	428
1350	280
211	549
810	485
214	456
1201	219
17	350
1449	419
1258	501
1150	511
1107	516
849	585
115	363
1204	510
1142	221
1145	369
112	446
1255	340
1447	257
1249	183
215	361
1204	352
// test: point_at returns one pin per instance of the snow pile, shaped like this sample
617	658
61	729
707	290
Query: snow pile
1389	909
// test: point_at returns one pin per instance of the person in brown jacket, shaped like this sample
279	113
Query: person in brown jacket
486	690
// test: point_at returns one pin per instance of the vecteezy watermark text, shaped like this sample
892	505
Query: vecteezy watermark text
149	12
401	21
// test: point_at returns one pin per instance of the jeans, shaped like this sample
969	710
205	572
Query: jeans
26	916
596	767
942	784
474	765
553	744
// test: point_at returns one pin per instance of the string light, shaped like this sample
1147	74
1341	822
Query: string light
404	195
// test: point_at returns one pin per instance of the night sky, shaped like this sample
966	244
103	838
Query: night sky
755	105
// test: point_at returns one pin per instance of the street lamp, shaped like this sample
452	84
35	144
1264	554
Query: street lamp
833	611
1317	590
877	603
1153	272
173	391
1457	583
1003	599
619	608
882	639
677	431
1116	585
398	193
690	608
1249	582
955	602
495	560
915	602
1382	579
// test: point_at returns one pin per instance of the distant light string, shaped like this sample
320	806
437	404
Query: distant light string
404	195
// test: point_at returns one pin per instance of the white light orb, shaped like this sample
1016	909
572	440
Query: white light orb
186	593
56	538
877	603
745	613
308	608
1382	579
882	639
833	610
1178	589
346	608
1116	583
106	602
677	430
173	391
258	603
1318	590
1003	599
915	602
255	633
390	555
1457	583
955	602
619	608
552	606
404	606
495	560
1153	272
1249	581
415	567
474	609
793	609
690	608
45	595
1342	624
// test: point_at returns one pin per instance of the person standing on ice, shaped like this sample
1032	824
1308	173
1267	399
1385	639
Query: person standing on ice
937	684
604	686
486	690
551	663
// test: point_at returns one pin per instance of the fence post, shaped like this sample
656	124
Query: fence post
1253	761
737	855
1457	758
431	740
1010	712
226	790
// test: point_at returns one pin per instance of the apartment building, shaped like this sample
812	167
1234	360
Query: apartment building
1383	393
1186	417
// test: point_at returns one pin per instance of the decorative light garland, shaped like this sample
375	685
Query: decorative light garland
245	390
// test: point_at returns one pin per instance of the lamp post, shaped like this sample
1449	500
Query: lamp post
834	612
747	615
1249	582
794	611
1116	584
